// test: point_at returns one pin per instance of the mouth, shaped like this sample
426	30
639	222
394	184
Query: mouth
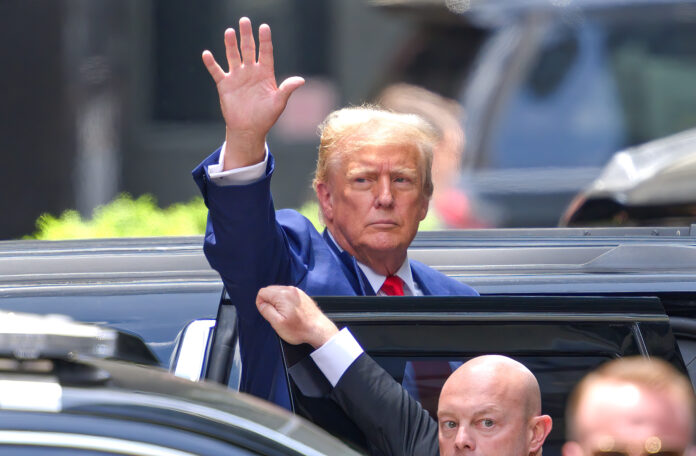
383	224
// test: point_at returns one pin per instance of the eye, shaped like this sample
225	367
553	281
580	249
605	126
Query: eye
360	181
449	424
487	423
403	180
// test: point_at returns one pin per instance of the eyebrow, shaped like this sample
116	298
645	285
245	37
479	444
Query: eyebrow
488	409
478	412
411	172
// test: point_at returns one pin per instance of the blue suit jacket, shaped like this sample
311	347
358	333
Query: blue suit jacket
253	246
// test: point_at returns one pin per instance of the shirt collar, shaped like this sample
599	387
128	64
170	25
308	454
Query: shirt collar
377	280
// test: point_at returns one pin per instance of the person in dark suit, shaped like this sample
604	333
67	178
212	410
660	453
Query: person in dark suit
373	183
490	406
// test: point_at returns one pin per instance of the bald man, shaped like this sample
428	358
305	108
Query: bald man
490	406
631	407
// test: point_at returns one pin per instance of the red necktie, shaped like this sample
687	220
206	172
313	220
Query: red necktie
393	286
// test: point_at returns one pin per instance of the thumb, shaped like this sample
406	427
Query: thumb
267	310
288	86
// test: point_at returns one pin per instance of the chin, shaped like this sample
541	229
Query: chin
386	243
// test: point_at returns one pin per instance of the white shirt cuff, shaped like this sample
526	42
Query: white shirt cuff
335	356
237	176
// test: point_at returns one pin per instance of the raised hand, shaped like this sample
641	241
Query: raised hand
250	100
294	316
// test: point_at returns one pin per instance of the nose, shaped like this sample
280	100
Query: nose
384	197
463	439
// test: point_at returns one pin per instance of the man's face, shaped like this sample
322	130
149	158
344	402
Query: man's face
483	416
623	419
373	202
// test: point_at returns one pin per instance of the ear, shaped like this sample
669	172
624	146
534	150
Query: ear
540	426
423	209
571	449
325	201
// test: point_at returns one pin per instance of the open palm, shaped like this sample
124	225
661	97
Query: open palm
250	100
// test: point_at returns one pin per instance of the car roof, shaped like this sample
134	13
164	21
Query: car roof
539	260
155	264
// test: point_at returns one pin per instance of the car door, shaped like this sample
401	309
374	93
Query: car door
560	338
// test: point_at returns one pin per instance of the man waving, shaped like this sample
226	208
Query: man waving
373	183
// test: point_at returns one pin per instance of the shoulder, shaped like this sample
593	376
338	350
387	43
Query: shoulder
293	221
298	229
437	283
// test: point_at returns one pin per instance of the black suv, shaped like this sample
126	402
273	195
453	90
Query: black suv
559	300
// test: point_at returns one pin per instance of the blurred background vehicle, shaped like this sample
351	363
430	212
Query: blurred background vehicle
649	185
557	87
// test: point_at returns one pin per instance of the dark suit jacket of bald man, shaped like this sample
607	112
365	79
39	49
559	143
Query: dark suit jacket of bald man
392	421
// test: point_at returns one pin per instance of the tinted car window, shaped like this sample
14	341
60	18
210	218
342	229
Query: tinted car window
424	378
603	83
130	312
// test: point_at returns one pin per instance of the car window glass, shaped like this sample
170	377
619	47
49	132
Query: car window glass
424	378
578	98
558	354
616	82
653	63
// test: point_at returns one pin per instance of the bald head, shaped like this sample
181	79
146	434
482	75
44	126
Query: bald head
504	374
496	403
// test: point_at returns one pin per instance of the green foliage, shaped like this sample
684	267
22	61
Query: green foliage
141	217
126	217
430	222
310	209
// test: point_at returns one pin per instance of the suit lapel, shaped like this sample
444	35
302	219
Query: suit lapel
361	286
423	283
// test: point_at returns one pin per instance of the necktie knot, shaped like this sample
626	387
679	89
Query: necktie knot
393	286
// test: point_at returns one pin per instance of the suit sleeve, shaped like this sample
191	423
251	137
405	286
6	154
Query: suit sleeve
393	422
243	240
249	249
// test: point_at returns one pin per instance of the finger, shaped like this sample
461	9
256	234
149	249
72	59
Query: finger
246	37
268	311
231	49
268	293
265	47
212	66
265	298
288	86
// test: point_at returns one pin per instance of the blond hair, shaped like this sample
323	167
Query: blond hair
652	374
350	129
